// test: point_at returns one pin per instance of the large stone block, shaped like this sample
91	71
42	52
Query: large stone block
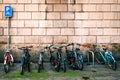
110	1
9	1
53	15
53	1
17	23
74	39
49	7
88	39
103	39
1	31
38	15
115	39
77	23
71	23
24	1
3	23
3	39
60	39
81	15
96	15
46	39
43	7
1	15
13	31
17	39
82	1
111	15
115	23
115	7
0	1
95	1
38	31
106	23
31	7
67	15
31	23
24	31
53	31
45	23
38	1
95	31
67	31
60	7
89	7
24	15
60	23
17	7
81	31
31	39
111	31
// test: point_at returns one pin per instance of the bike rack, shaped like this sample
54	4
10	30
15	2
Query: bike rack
92	57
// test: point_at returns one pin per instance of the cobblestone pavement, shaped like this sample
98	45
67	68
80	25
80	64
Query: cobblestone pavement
97	72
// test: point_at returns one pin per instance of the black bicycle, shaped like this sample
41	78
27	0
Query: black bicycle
25	59
74	57
40	61
60	63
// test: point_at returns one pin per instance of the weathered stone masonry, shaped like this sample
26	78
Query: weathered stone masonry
62	21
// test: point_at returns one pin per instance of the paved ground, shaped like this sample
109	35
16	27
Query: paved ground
98	72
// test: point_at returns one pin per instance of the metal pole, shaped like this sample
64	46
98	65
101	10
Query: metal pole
8	35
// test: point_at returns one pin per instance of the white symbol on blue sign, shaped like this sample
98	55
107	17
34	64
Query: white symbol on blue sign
7	11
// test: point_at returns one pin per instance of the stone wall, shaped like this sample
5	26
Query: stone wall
61	21
39	22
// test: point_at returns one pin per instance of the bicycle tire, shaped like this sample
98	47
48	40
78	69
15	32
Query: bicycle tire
6	68
64	66
80	65
57	68
29	67
39	68
114	65
22	70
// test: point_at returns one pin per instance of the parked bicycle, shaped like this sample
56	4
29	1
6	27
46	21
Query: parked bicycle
25	59
40	61
60	62
106	57
8	60
75	57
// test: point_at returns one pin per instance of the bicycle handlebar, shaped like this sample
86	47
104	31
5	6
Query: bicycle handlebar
26	47
73	44
58	47
49	46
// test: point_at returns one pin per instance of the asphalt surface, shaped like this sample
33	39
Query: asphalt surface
97	72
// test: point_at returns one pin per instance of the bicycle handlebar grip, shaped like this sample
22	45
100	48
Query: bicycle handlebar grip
55	48
78	44
51	45
69	44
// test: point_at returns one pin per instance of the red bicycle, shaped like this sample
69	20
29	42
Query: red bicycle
8	60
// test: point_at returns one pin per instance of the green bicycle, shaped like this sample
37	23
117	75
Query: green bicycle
107	58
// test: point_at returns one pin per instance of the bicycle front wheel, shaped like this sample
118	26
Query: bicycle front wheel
80	65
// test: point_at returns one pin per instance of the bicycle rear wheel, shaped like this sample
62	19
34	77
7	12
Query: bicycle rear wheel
64	66
114	65
22	70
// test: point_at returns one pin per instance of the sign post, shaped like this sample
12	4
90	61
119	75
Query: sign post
8	14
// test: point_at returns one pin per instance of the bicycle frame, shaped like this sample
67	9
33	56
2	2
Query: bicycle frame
107	57
76	60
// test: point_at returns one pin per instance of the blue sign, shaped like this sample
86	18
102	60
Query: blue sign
7	11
